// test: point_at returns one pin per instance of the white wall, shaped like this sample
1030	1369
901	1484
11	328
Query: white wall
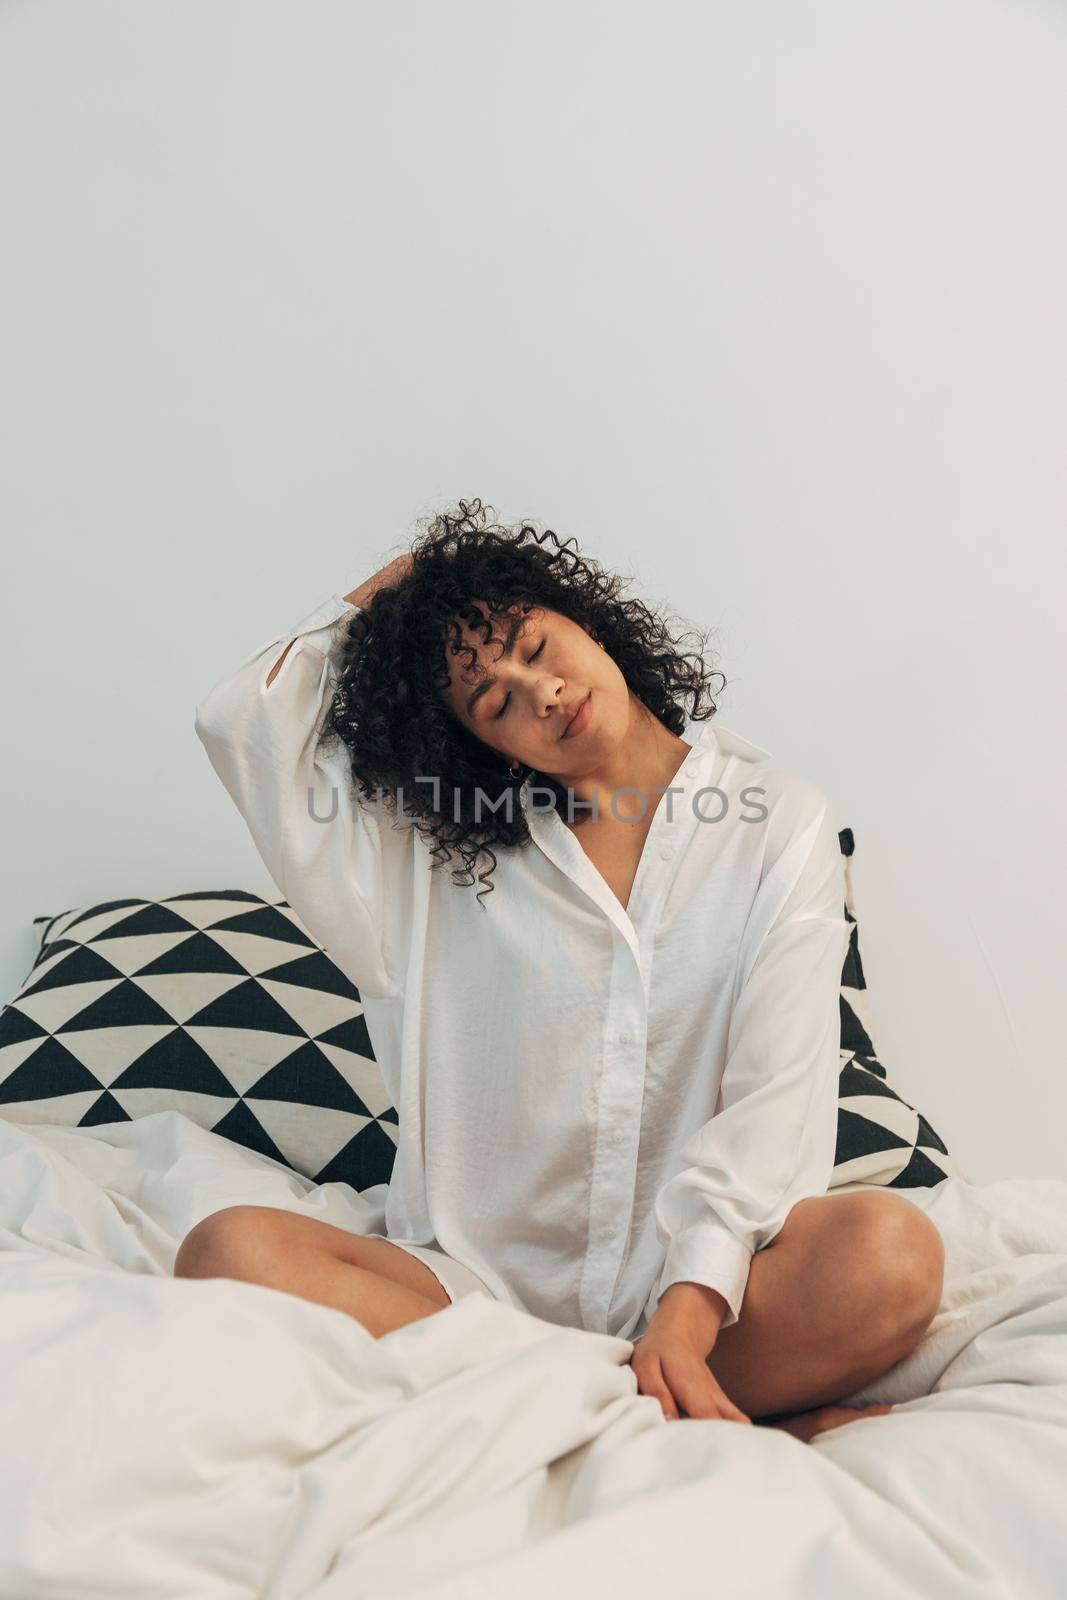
763	304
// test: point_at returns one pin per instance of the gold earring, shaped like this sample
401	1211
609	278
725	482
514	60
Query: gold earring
514	770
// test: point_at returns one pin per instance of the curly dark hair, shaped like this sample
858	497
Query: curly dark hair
388	708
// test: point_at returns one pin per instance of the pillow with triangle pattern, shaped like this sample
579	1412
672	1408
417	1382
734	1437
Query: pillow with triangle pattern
880	1137
221	1005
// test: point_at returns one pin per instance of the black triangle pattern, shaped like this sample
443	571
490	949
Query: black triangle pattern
306	1078
364	1156
176	1062
144	921
241	1126
853	1034
50	1071
316	972
860	1136
82	965
194	1003
127	1005
198	953
106	1109
266	922
250	1006
869	1064
920	1173
856	1079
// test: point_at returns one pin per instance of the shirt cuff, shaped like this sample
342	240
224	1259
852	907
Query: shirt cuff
330	611
706	1253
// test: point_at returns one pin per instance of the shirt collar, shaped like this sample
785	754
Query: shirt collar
715	735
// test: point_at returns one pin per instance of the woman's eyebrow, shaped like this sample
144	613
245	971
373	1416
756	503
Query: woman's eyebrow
514	628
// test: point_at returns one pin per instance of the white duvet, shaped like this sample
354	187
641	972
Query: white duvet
212	1439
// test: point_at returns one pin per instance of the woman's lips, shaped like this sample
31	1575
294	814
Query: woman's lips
580	718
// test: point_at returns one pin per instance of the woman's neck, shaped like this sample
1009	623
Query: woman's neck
645	760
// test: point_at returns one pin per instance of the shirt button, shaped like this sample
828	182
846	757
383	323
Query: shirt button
624	1038
692	769
667	852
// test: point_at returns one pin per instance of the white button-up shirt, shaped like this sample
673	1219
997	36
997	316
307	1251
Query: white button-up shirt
594	1102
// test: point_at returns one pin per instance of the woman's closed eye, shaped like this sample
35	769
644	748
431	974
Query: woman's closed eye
507	697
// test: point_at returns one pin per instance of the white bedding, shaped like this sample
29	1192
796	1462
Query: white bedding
215	1439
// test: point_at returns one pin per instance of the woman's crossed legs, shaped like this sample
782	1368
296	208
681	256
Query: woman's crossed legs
847	1288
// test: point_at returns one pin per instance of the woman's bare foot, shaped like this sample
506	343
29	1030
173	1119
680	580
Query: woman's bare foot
805	1425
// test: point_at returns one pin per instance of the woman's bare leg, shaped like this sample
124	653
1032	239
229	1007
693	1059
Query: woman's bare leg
846	1289
376	1282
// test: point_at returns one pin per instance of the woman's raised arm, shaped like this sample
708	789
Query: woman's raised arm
344	864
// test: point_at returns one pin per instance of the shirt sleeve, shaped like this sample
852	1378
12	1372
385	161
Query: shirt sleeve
773	1138
337	858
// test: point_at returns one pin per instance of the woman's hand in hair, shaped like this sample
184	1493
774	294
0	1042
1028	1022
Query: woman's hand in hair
394	572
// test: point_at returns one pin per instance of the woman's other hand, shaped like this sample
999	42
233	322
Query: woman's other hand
669	1361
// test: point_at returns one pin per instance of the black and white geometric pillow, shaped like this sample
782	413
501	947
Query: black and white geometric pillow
219	1005
880	1137
222	1006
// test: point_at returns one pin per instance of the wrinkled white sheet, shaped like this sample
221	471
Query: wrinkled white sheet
215	1439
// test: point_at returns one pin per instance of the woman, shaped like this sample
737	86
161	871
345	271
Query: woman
615	1061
